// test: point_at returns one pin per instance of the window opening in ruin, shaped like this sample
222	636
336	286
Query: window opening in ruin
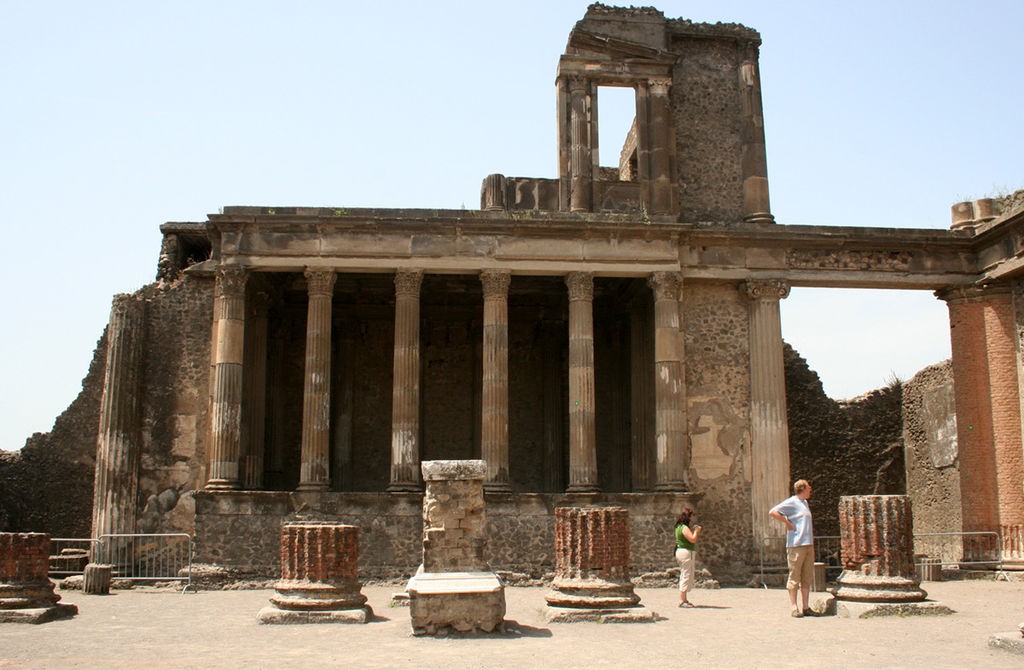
616	137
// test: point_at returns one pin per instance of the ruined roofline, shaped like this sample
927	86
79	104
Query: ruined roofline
598	13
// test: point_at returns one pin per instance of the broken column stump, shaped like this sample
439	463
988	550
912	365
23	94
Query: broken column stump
319	576
592	568
26	592
96	578
454	588
878	575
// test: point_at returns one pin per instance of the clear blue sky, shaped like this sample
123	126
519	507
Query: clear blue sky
119	116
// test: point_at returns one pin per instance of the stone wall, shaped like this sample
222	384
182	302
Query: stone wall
239	531
715	322
844	448
929	433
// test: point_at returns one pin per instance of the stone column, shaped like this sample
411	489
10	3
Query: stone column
26	592
877	550
553	377
315	468
494	414
405	404
492	193
669	385
581	166
254	392
661	139
986	386
582	432
118	446
319	576
226	430
592	580
343	425
769	424
756	207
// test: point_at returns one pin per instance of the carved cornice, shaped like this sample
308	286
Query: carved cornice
320	282
407	283
231	281
495	283
666	285
581	285
765	289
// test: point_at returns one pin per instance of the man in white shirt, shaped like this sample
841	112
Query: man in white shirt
795	513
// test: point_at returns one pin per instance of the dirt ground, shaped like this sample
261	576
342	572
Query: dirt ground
732	628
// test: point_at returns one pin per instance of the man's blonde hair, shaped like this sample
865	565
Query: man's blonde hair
799	485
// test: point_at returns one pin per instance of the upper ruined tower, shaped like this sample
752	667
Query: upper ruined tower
695	151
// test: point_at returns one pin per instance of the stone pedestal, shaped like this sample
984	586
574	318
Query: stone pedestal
878	557
319	576
26	592
592	568
454	588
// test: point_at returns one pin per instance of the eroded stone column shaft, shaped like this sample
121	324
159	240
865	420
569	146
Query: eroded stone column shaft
756	207
315	470
769	424
580	154
877	550
494	414
661	138
118	447
254	392
642	397
582	431
405	406
225	432
669	385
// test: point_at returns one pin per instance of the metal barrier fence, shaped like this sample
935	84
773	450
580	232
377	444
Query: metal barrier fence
153	557
981	549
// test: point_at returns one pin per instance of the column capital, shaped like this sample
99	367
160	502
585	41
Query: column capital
408	282
578	83
961	294
765	289
231	281
659	85
581	285
320	282
495	283
666	285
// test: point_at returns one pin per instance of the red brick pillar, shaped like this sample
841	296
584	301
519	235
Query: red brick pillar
988	415
592	566
877	550
319	576
26	592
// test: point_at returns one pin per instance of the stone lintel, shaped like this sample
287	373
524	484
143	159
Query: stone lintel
434	471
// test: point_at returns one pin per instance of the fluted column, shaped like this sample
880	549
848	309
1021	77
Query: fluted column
661	139
225	433
315	468
986	386
494	414
756	206
582	433
671	460
581	159
118	447
405	404
254	392
769	427
641	383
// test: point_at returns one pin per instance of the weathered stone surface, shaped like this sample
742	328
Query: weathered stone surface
867	610
1012	642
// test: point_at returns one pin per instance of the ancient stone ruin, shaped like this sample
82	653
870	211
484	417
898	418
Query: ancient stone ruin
26	592
878	559
609	335
592	580
319	576
454	589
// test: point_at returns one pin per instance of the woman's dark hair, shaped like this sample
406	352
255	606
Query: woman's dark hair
684	518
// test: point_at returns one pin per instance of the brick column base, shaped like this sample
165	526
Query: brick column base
26	592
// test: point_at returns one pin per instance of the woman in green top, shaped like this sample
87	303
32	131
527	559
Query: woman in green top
686	551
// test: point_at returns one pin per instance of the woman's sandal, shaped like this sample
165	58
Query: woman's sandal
687	604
